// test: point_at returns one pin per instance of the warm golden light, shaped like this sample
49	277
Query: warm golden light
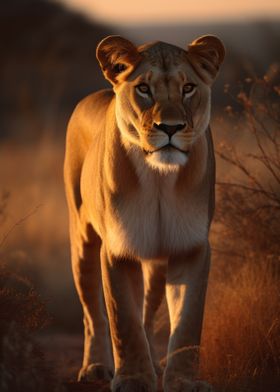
54	53
156	11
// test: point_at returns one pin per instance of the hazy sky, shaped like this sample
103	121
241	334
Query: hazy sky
157	11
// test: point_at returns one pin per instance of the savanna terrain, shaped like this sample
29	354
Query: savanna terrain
45	72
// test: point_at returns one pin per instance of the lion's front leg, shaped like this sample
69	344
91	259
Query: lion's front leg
133	364
185	290
154	287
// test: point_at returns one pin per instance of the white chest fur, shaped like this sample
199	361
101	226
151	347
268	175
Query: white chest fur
154	222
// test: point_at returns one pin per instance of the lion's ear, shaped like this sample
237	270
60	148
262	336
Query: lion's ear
117	57
206	55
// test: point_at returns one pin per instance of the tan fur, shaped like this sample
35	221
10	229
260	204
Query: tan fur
136	194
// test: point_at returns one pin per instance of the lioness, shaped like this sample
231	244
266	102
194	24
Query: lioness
139	175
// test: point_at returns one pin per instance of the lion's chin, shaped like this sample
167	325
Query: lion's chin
167	160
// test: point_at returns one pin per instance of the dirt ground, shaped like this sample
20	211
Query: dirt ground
63	353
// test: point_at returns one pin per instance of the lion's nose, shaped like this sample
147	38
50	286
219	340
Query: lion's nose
169	129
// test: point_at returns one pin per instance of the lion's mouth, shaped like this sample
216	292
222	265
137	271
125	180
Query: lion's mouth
167	147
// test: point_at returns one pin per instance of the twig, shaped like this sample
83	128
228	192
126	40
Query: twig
19	222
269	195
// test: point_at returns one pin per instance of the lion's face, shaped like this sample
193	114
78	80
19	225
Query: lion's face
163	107
162	96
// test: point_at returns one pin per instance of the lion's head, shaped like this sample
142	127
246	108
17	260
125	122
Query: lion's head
162	94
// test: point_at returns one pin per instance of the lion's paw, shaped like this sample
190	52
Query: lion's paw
95	371
133	383
184	385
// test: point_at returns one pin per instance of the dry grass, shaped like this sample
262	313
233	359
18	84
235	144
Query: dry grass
241	338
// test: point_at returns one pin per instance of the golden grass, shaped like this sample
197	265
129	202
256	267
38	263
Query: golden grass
241	335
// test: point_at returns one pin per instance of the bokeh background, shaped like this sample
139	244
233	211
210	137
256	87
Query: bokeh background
47	65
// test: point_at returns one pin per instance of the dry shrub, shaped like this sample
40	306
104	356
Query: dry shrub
22	364
248	204
241	338
19	303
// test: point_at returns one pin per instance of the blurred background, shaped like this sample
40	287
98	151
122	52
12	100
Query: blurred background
48	64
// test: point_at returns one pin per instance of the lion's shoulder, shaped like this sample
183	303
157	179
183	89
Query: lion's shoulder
94	104
88	118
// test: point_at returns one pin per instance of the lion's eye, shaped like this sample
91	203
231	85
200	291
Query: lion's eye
143	88
188	88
